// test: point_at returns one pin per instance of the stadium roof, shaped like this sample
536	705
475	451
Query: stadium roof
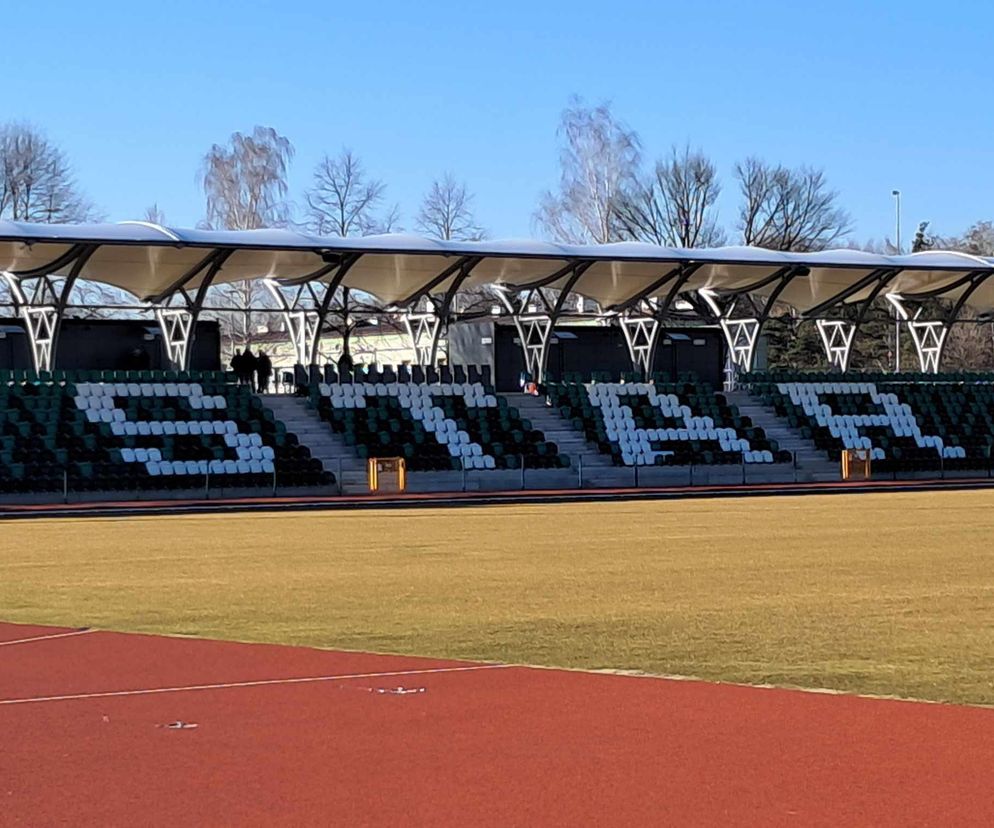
153	262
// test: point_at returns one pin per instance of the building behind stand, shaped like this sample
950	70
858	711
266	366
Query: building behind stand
579	348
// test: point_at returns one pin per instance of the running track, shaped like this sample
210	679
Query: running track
403	741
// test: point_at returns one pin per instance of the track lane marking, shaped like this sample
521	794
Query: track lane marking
45	637
257	683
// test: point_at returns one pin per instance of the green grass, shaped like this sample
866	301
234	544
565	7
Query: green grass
884	594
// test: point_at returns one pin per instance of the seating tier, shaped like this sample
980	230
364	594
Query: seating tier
906	426
435	426
660	423
97	435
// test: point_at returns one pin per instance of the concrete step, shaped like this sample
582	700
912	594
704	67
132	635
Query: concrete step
550	422
811	461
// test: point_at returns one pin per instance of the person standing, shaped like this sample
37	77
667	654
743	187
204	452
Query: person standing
250	367
238	366
263	371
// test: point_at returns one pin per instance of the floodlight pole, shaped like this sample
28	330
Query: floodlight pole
897	317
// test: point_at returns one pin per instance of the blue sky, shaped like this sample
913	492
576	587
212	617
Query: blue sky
881	95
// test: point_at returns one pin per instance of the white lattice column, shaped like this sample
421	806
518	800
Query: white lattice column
741	335
177	326
41	316
930	340
423	332
641	333
928	336
303	324
837	338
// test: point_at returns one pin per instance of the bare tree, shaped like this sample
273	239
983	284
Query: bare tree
343	200
675	205
598	162
245	182
447	213
788	209
978	240
37	183
154	215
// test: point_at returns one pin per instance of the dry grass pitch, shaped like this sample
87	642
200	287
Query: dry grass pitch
884	594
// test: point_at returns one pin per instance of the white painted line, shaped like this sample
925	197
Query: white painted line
44	637
259	683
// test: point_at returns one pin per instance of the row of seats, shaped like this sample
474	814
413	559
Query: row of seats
435	426
659	424
906	426
76	375
190	390
411	395
50	435
328	374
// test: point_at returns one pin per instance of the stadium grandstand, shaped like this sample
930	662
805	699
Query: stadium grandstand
513	379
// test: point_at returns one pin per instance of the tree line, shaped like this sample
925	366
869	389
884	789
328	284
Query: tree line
608	190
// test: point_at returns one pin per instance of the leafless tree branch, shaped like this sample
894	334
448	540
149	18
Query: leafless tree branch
788	209
675	205
598	162
447	213
343	200
37	183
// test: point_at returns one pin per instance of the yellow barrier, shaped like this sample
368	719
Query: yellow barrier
856	464
387	474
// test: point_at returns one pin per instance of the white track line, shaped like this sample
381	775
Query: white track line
259	683
44	637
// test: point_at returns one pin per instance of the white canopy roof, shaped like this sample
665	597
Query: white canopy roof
152	262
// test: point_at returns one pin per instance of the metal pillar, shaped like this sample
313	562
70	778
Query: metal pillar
535	326
641	334
426	326
837	337
929	335
303	324
310	302
641	315
424	331
42	305
740	335
177	309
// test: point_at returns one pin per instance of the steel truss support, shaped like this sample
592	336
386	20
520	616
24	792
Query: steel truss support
641	315
741	335
929	335
428	316
424	330
641	334
41	299
535	325
742	332
309	304
178	308
838	335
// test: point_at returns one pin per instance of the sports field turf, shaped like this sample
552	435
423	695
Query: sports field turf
884	594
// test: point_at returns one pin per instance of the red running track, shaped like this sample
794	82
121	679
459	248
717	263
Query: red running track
489	745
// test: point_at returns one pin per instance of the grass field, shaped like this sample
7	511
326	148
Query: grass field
884	594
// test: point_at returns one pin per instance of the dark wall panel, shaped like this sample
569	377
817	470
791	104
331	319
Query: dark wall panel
585	348
109	344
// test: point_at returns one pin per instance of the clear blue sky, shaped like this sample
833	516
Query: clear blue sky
882	95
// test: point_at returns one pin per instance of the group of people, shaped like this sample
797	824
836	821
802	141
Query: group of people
254	371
